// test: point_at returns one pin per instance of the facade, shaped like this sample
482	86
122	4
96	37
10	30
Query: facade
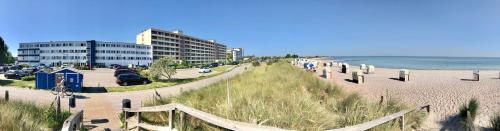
182	47
235	53
86	53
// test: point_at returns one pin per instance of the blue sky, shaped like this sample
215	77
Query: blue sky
271	27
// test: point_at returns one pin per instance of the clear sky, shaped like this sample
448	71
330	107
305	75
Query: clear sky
270	27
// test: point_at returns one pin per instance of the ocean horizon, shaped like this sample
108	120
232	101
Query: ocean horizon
423	62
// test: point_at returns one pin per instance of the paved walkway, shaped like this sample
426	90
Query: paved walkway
101	110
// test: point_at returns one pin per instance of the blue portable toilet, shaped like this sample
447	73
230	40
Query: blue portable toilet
47	79
73	78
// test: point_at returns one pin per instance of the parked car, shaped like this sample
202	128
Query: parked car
113	66
124	71
64	66
143	66
3	69
119	67
15	74
131	79
214	65
30	70
15	67
205	70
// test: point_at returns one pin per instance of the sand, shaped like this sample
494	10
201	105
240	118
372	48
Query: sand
444	90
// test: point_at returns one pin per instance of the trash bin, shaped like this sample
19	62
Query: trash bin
126	103
72	101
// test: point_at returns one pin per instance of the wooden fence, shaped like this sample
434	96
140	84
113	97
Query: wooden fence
74	122
235	125
183	110
380	121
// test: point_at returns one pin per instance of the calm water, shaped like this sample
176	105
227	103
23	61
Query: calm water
432	63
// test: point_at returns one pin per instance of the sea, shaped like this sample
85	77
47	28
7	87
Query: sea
424	62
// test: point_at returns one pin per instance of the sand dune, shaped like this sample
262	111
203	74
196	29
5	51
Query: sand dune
444	90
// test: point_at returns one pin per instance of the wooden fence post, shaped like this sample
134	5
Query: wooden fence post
125	119
402	122
171	118
138	121
58	101
183	121
6	95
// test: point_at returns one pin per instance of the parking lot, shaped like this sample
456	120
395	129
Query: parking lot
103	77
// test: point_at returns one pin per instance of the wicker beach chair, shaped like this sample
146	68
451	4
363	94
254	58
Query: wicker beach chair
362	67
357	77
404	75
475	75
345	68
370	69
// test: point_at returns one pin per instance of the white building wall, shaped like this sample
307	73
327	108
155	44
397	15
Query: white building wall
72	52
124	55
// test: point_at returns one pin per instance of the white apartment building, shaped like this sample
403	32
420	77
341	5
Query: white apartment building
89	53
182	47
235	53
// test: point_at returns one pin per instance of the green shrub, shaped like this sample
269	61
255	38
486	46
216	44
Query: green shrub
28	78
495	122
144	73
25	65
256	63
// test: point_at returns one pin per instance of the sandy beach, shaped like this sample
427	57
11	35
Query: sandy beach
444	90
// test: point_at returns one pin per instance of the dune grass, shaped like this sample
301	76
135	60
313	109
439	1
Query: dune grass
495	121
282	96
18	83
22	116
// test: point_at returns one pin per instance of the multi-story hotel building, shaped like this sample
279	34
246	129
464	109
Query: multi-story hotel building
235	53
182	47
88	53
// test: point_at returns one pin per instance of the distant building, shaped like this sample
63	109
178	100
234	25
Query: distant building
85	53
235	53
182	47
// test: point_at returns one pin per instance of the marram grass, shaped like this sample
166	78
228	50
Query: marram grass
22	116
283	96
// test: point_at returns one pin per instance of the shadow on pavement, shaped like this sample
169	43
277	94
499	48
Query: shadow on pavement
95	90
99	121
5	82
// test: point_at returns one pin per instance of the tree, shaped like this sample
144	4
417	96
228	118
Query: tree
162	67
5	55
229	57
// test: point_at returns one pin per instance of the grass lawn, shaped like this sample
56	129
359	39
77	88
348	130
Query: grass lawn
166	83
281	95
17	83
221	68
21	116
